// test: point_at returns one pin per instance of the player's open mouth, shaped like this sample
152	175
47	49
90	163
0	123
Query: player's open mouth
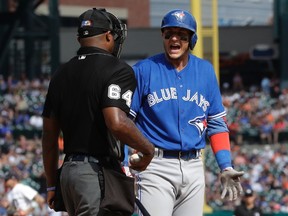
175	47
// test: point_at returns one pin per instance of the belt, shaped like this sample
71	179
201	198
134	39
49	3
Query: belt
85	158
184	155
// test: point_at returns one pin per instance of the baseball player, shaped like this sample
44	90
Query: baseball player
177	103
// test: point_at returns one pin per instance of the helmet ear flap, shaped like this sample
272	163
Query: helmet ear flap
193	41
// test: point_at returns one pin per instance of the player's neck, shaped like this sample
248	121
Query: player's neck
179	63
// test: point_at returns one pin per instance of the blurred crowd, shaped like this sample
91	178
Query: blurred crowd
266	173
21	102
259	114
257	121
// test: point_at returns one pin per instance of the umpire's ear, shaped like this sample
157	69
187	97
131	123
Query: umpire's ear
108	36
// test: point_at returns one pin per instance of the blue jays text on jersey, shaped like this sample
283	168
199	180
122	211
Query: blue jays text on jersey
171	94
174	109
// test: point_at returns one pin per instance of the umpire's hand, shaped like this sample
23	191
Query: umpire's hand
230	180
141	162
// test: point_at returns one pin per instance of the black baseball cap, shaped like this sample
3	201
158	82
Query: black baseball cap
10	175
93	22
248	192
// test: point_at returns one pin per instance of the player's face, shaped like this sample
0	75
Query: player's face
8	184
176	42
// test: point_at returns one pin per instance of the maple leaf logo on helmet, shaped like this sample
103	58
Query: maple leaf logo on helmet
179	15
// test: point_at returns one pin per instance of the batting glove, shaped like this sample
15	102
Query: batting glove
230	180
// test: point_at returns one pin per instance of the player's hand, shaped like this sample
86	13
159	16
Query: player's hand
21	213
230	180
139	162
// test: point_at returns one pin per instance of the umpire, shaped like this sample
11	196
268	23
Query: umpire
88	101
248	206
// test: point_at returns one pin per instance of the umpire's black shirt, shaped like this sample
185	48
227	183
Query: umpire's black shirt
79	90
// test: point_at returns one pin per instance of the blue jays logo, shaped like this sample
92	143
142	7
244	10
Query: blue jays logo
179	15
200	123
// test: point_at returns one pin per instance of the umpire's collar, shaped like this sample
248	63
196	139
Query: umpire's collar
91	50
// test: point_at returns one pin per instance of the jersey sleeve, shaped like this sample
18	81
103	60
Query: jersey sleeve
119	89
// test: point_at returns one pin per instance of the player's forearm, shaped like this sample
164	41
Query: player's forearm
220	142
39	200
220	145
25	212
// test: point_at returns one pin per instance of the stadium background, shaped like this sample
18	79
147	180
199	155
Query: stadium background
37	36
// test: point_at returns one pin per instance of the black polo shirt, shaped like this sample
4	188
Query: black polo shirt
242	210
80	89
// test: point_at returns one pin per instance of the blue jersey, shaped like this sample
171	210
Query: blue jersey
174	109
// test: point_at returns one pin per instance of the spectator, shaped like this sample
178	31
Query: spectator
279	126
3	85
265	85
237	82
248	206
266	131
22	199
